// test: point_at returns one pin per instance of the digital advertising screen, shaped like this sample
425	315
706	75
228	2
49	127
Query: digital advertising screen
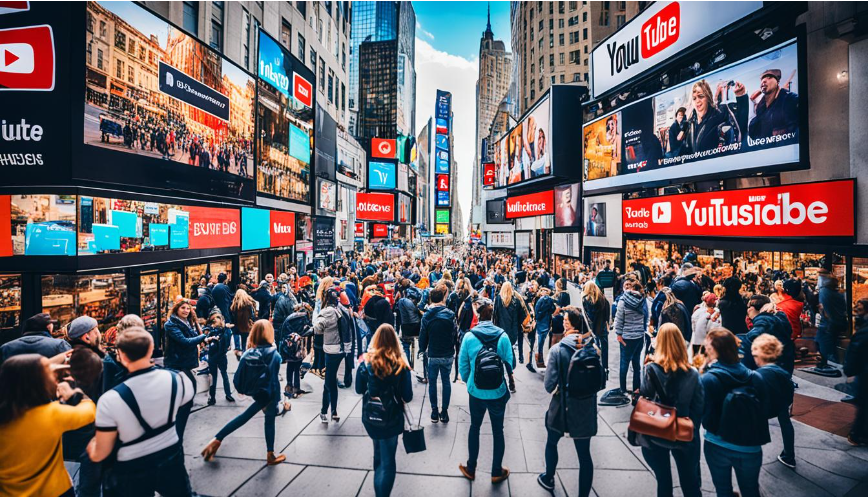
441	216
751	109
382	175
525	152
327	195
568	206
405	209
601	220
495	212
325	144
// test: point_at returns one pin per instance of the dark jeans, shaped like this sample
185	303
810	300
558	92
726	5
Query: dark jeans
631	354
260	403
330	390
586	464
89	477
240	340
825	338
293	376
213	366
859	431
384	465
788	433
407	345
721	461
184	410
162	472
439	367
541	339
496	410
348	369
603	342
685	462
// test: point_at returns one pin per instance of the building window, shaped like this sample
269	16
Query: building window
191	18
532	94
286	35
99	59
302	7
574	6
300	47
576	77
574	57
216	35
561	23
574	37
343	97
102	29
532	70
131	74
621	20
331	85
584	17
313	59
562	78
121	40
217	10
551	7
560	7
561	39
622	5
551	40
540	84
321	75
245	37
584	34
553	80
551	60
586	49
541	26
344	56
604	18
531	33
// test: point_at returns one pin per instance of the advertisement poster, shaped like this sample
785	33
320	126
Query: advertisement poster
405	209
442	199
441	161
255	233
285	124
441	216
601	218
380	230
441	229
324	235
326	144
748	109
382	175
382	148
169	97
303	228
282	228
375	206
488	174
327	195
532	204
568	206
213	227
495	211
525	152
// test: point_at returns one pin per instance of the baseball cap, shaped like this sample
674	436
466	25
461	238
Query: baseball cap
80	326
775	73
38	322
792	287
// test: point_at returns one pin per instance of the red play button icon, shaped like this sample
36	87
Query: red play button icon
12	7
27	58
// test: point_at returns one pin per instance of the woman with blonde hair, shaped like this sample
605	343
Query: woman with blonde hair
319	303
509	315
261	356
243	311
670	380
383	377
598	313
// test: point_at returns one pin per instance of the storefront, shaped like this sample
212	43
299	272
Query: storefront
534	221
602	243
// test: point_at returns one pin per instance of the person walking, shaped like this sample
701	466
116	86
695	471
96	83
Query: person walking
597	309
37	339
183	337
543	311
631	321
766	319
257	376
705	317
670	380
329	325
222	296
383	378
484	351
35	412
733	310
833	320
572	410
263	298
150	457
856	364
509	315
243	310
437	337
766	349
674	311
219	338
408	320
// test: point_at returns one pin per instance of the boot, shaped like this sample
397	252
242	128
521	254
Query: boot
271	459
539	360
210	450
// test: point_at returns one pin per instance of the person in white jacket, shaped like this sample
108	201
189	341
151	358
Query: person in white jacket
705	317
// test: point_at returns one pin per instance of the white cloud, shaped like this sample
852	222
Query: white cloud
440	70
422	30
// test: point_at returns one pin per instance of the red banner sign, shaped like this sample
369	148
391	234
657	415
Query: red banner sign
488	173
443	182
360	230
804	211
212	227
381	230
5	225
375	206
533	204
382	148
282	228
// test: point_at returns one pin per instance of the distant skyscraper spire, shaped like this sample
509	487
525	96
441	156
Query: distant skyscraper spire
488	26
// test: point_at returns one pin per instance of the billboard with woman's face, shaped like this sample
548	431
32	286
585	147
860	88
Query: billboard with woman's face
524	153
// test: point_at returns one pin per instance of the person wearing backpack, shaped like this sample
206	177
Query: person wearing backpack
150	457
332	324
219	340
670	380
258	377
766	350
291	345
509	314
484	352
597	309
574	376
383	378
766	319
734	417
408	320
437	339
674	311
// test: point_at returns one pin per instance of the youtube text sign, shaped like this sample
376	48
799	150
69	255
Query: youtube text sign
27	58
807	210
532	204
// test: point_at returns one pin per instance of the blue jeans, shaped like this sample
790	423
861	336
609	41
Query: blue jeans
330	389
384	465
439	366
240	340
825	338
721	461
685	462
293	376
788	433
89	477
541	333
260	403
407	345
631	354
215	365
583	451
496	410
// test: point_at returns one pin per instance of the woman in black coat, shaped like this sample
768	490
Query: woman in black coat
733	310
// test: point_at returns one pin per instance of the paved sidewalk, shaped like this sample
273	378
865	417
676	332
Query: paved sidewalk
336	459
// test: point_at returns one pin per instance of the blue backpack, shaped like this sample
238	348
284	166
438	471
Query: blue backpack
253	375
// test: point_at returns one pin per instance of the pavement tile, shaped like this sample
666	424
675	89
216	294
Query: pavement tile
270	480
616	483
325	482
222	476
331	451
421	486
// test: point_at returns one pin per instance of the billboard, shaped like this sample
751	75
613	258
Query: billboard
532	204
442	199
380	230
325	143
285	124
375	206
443	109
441	229
405	209
327	195
382	175
441	216
161	95
495	212
657	34
383	148
807	210
524	153
601	221
442	183
488	174
568	207
441	161
751	109
323	235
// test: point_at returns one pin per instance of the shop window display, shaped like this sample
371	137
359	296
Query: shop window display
148	301
100	296
221	266
170	289
248	270
10	303
193	275
282	263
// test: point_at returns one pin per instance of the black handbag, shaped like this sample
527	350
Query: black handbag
414	435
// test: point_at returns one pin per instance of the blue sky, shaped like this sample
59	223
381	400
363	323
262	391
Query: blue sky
447	58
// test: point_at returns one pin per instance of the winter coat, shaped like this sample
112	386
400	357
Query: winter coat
470	347
204	304
400	385
263	297
598	315
243	319
182	341
284	304
631	317
688	292
578	418
217	350
681	390
326	324
717	381
439	333
679	315
702	322
543	310
779	386
222	299
509	318
377	312
34	343
407	311
776	325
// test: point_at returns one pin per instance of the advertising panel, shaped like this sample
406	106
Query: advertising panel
568	212
403	177
441	216
324	235
601	218
405	209
442	183
495	211
159	93
442	199
441	161
443	109
382	175
382	148
282	229
303	229
285	124
380	230
658	33
807	210
525	152
441	229
441	142
360	230
488	174
503	239
750	109
255	232
375	206
326	144
532	204
568	244
327	195
214	227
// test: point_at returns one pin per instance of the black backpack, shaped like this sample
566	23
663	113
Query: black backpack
252	377
674	315
380	410
585	374
488	367
291	348
345	327
742	417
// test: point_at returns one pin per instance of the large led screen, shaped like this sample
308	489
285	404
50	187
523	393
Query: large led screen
568	206
285	124
524	153
155	92
750	109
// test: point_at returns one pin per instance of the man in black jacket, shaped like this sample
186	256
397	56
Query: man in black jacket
438	336
856	364
378	311
263	298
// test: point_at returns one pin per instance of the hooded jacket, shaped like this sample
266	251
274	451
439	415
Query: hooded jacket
779	385
543	310
438	333
579	417
717	381
204	304
327	325
283	307
377	312
407	311
631	317
688	292
182	351
470	347
40	343
263	297
776	325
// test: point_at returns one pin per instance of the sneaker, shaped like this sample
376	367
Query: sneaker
849	400
435	416
504	474
422	379
854	442
530	367
229	398
444	416
521	360
468	473
212	401
335	417
787	461
546	484
323	417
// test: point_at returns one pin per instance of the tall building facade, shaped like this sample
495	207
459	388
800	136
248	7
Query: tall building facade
492	85
423	161
552	42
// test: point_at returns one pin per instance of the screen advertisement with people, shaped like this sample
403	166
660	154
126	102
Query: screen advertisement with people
601	221
156	92
750	108
568	211
524	153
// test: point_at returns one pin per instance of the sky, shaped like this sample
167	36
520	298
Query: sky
447	58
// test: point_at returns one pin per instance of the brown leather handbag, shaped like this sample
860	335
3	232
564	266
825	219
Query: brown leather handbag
659	420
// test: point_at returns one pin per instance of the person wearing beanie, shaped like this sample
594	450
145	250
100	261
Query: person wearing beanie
791	303
36	339
706	317
84	330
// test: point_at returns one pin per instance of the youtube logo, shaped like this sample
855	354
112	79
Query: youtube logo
302	90
661	212
27	59
13	7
